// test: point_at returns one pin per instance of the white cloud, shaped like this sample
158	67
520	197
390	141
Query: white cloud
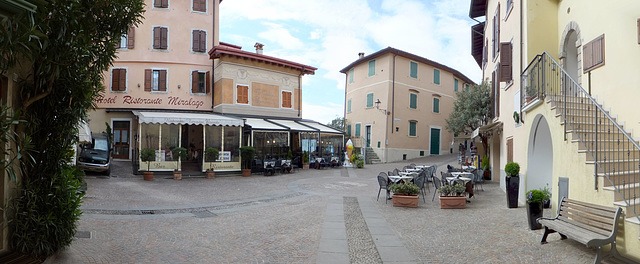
277	34
322	113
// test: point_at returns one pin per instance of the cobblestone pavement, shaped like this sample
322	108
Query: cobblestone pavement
280	219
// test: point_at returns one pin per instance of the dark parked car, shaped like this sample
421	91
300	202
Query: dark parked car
97	155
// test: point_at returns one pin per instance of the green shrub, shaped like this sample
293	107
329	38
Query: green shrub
179	153
546	192
485	163
42	224
535	196
452	190
211	155
247	153
147	155
405	188
512	169
360	164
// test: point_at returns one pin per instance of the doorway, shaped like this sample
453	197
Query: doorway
368	135
121	139
192	136
435	141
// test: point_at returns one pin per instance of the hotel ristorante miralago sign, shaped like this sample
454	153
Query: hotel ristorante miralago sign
168	102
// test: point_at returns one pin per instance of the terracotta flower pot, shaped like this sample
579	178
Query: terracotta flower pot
246	172
453	202
400	200
177	175
211	174
148	176
305	166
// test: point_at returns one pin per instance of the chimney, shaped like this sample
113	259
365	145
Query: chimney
361	55
258	47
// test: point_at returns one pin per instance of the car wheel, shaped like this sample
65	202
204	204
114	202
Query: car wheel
108	172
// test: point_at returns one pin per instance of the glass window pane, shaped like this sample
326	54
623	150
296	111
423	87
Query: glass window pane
155	81
232	142
150	134
170	139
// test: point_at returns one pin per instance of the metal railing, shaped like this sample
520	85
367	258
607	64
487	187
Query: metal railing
615	154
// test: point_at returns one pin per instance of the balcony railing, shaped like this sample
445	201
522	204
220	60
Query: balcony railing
613	151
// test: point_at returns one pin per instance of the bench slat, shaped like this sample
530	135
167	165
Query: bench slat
590	228
576	233
595	206
604	224
593	211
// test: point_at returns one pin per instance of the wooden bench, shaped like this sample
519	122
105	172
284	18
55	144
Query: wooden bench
590	224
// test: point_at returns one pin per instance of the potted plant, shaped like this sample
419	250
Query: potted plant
485	166
405	194
452	197
305	160
357	160
211	155
546	201
512	180
247	153
179	153
148	155
534	208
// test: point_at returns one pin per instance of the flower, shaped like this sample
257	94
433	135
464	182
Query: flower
535	196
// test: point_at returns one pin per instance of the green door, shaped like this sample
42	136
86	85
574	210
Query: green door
435	141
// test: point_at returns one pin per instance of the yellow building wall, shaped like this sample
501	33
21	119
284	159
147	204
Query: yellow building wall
541	28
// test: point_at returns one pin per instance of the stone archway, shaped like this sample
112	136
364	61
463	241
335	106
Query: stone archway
540	155
571	51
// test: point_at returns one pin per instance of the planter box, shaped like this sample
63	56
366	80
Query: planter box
453	202
148	176
246	172
305	166
513	189
211	174
400	200
177	175
534	211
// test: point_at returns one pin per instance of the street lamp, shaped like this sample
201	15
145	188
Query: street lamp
377	102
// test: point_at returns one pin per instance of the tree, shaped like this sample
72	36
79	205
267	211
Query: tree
337	123
59	54
470	111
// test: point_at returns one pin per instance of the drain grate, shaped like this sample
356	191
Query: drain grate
147	212
83	234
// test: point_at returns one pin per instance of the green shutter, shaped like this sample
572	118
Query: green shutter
414	70
351	75
466	86
436	105
455	85
372	67
348	130
436	76
412	128
370	100
357	130
349	106
413	101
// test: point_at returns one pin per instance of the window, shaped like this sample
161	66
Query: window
455	85
369	100
436	76
593	53
509	8
466	87
506	61
199	41
357	129
200	82
127	40
286	99
200	5
414	70
349	106
118	80
436	105
510	150
242	96
351	75
160	37
348	130
495	39
412	128
413	101
372	67
160	3
155	80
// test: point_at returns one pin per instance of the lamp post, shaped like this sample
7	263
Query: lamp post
386	124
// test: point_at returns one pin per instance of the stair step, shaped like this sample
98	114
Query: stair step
614	161
622	187
620	173
633	220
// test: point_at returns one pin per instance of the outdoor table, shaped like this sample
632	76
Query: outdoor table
396	179
452	180
424	167
286	166
414	170
269	168
469	168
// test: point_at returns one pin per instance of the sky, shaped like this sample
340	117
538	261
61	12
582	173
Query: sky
329	34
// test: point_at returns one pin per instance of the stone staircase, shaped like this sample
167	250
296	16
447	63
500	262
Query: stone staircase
605	148
371	156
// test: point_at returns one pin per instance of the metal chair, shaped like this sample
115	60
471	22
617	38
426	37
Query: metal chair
423	174
436	184
420	182
405	168
479	178
384	184
390	173
443	177
396	171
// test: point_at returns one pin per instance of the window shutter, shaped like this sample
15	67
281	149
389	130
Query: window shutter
436	76
157	3
156	37
195	45
506	62
412	128
147	80
286	99
510	150
638	30
165	3
208	82
203	41
372	67
349	106
162	82
130	38
243	94
370	100
357	130
351	75
348	130
493	93
593	54
436	105
163	37
455	85
413	101
414	70
115	79
122	82
194	81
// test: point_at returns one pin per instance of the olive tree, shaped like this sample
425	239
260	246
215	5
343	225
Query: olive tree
470	109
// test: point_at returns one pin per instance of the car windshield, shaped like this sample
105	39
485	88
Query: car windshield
101	144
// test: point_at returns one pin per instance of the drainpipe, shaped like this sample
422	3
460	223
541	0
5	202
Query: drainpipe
521	60
393	93
300	92
213	62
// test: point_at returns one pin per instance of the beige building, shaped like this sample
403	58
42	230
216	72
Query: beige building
175	85
555	70
396	104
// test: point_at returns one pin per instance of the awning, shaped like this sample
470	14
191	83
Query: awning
84	132
259	124
488	127
294	126
320	127
187	118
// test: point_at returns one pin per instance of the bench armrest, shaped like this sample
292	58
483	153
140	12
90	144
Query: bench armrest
544	218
